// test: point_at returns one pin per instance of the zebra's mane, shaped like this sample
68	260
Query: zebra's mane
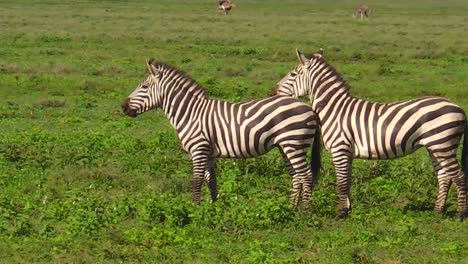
329	67
188	80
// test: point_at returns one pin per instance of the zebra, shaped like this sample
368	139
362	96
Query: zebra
362	10
209	128
355	128
225	6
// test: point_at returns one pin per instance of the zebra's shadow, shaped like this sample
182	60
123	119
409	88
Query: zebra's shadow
448	211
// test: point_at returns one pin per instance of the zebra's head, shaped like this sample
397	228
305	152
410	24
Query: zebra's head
298	82
146	96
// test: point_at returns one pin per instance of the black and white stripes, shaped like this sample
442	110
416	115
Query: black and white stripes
355	128
210	128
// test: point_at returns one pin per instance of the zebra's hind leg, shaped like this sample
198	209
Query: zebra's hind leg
448	171
287	163
460	185
301	174
443	182
210	179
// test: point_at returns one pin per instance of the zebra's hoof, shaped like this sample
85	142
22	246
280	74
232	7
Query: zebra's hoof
462	215
214	197
439	211
342	214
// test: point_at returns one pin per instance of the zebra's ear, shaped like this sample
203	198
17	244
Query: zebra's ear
320	52
302	58
152	70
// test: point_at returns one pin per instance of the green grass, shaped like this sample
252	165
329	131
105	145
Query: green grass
81	182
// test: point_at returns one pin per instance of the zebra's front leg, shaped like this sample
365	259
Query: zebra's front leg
199	164
210	179
342	161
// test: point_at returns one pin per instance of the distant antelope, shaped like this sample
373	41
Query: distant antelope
362	11
225	6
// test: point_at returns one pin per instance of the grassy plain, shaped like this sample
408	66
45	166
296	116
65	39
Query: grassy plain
82	183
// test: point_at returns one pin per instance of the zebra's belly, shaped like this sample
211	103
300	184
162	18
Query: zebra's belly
223	151
365	152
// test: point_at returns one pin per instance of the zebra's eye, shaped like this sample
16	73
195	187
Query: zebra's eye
293	74
144	86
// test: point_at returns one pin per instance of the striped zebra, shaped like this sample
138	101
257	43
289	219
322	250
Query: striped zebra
355	128
210	128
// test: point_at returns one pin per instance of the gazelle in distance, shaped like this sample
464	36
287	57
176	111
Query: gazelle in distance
225	6
363	10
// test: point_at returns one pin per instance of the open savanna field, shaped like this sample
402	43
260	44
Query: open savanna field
80	182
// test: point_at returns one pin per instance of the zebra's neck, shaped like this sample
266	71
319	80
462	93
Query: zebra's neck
329	93
182	99
337	109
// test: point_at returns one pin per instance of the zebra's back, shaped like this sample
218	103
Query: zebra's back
383	131
249	129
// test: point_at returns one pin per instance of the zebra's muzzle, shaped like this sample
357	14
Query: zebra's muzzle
274	91
127	110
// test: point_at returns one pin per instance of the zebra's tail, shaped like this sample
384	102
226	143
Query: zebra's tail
464	164
316	159
464	157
